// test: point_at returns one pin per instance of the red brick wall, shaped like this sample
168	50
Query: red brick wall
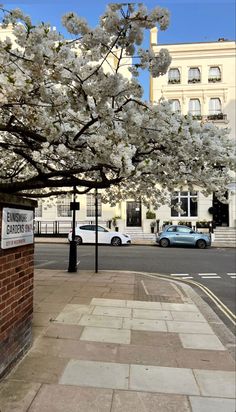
16	301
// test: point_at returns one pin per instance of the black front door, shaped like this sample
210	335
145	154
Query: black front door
133	213
220	213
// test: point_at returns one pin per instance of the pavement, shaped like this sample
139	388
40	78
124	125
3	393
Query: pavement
121	342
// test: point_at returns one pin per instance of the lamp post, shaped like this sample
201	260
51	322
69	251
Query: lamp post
96	231
73	246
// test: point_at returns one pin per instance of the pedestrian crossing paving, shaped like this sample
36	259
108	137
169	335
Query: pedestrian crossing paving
202	275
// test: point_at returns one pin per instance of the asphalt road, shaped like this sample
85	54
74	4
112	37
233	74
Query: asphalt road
214	267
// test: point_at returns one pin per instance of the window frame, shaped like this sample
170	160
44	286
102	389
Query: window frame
90	205
174	79
214	78
189	195
63	207
194	78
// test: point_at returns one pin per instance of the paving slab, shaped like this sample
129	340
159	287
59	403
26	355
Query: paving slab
45	369
152	314
112	311
102	321
62	398
187	316
105	335
75	349
162	379
124	401
72	313
138	304
96	374
145	324
16	396
119	303
63	331
200	404
183	307
147	355
156	339
219	384
200	341
204	359
189	327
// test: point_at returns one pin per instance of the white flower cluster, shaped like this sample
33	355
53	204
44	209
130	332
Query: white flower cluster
70	113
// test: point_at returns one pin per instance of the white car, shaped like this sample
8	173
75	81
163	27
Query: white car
86	234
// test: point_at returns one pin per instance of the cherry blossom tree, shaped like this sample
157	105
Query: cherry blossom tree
68	117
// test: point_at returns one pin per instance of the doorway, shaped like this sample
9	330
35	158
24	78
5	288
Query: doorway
220	212
133	214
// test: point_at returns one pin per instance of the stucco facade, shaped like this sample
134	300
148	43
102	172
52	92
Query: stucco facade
201	80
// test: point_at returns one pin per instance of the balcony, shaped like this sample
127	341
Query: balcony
194	80
174	81
214	79
217	116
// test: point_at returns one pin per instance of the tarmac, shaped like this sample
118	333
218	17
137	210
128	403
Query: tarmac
121	342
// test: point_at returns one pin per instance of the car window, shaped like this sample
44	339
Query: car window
101	229
87	227
171	229
184	229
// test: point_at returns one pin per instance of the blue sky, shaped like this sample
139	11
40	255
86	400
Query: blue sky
191	20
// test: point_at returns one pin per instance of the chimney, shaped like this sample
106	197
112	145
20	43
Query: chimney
153	36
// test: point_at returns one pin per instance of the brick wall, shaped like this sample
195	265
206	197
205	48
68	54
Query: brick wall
16	294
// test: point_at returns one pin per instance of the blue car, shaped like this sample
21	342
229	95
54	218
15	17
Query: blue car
182	235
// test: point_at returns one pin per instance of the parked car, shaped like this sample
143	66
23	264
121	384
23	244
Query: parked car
182	235
86	234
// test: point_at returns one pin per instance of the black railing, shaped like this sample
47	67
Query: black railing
60	228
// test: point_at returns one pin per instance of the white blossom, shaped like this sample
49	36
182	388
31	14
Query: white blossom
71	113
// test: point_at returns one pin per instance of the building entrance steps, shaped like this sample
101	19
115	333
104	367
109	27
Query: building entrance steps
101	345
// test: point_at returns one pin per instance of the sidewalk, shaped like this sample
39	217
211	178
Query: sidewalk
121	342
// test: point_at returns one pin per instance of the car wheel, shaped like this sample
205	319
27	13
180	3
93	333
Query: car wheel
116	241
201	244
78	240
164	242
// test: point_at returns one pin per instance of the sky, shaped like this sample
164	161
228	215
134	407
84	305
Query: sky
190	20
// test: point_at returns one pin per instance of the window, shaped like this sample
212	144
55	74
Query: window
39	210
214	75
175	105
91	205
174	76
194	75
188	203
215	106
183	229
195	107
63	207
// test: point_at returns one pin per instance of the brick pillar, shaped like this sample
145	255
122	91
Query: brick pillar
16	293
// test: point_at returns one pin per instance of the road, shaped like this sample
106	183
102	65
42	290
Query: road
214	267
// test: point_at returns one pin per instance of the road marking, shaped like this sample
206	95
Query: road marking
144	287
179	274
207	274
232	275
211	277
45	262
227	312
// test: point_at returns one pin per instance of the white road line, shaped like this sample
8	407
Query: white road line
188	277
45	262
144	287
231	274
233	277
207	274
179	274
211	277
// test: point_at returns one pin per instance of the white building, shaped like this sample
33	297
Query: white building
200	80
